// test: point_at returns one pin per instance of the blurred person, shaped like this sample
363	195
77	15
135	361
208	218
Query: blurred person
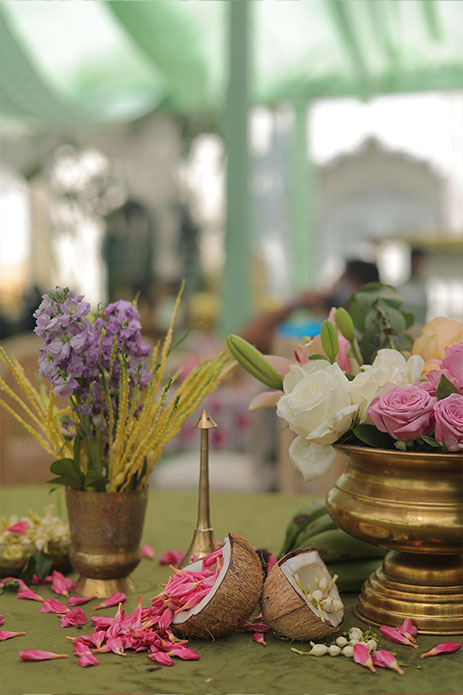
260	331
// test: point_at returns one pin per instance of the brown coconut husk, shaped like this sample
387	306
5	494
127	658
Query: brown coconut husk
234	600
286	612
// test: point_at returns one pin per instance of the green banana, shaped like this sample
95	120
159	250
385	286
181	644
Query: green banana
335	545
306	514
315	527
352	574
251	359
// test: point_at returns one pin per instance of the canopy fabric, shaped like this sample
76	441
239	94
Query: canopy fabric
65	62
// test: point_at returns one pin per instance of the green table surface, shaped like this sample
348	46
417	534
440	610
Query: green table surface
233	664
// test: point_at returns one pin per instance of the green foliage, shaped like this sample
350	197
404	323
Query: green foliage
445	388
329	340
368	434
376	312
39	564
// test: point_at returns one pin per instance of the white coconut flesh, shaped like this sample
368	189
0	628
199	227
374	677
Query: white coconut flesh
197	567
312	573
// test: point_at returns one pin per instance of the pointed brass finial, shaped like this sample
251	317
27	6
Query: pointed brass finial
203	542
205	421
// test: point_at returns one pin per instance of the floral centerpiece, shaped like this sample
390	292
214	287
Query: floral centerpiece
363	381
121	409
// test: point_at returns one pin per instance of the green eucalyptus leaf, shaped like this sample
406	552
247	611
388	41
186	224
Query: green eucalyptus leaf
409	318
368	434
67	468
445	388
402	342
431	441
39	564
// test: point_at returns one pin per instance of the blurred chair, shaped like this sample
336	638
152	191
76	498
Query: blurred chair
22	459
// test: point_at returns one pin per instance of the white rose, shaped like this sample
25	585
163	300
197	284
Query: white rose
389	369
317	406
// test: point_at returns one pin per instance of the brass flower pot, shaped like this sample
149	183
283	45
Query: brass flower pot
106	529
410	503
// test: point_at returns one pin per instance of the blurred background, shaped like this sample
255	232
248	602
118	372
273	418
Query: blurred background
252	148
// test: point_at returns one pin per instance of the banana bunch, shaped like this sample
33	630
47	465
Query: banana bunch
352	560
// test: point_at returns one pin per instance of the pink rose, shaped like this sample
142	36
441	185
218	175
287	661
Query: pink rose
449	421
451	367
405	412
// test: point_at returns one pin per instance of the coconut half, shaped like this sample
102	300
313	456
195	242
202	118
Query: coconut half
300	599
231	600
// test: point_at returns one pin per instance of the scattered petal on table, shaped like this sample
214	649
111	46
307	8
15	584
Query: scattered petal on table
256	627
171	557
42	580
8	635
29	594
20	527
385	659
75	617
116	645
394	635
60	584
51	605
19	582
183	653
259	638
444	648
161	658
362	656
271	562
148	551
79	600
113	600
2	620
408	629
88	659
39	655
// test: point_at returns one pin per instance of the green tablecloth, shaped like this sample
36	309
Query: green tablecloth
230	665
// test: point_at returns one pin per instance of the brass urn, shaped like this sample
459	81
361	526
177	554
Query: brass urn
410	503
106	530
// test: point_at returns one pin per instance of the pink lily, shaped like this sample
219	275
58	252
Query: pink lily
161	658
41	580
51	605
29	594
212	558
8	635
444	648
101	622
259	638
2	620
79	600
116	645
183	653
75	617
394	635
408	630
18	580
98	638
385	659
19	527
148	552
114	600
88	659
166	618
81	642
39	655
362	656
61	584
171	557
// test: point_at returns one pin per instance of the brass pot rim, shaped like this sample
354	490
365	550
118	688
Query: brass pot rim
143	491
454	456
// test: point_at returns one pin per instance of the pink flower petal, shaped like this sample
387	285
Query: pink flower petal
29	594
256	627
75	617
394	635
280	364
51	605
88	659
271	562
385	659
171	557
266	399
183	653
2	620
161	658
60	584
79	600
443	648
116	645
113	600
148	552
408	629
8	635
259	638
39	655
20	527
21	584
362	656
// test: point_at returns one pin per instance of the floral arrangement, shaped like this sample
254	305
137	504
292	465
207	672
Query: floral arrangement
364	381
120	409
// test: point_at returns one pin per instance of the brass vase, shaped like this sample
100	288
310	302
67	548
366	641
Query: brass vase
410	503
106	529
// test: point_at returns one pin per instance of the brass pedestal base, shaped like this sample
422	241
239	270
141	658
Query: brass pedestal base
426	589
102	588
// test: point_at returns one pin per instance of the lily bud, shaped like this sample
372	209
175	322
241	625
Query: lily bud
345	324
329	339
254	362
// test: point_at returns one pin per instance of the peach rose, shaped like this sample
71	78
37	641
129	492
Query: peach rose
436	336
